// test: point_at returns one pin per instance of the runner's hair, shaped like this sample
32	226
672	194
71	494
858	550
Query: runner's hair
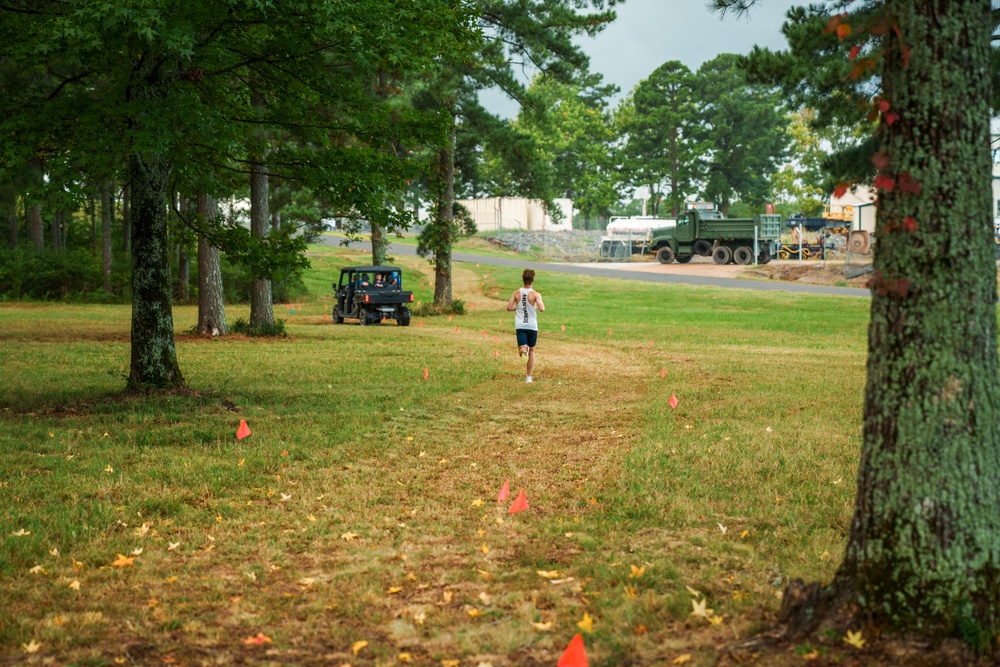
528	276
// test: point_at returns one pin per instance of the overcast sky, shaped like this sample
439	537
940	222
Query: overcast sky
648	33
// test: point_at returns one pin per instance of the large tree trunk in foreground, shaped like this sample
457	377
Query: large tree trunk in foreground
154	359
211	307
924	546
380	243
126	219
261	307
107	205
445	222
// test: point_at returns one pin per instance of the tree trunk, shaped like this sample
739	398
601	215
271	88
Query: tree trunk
261	307
924	546
126	219
54	229
183	273
211	307
107	203
10	206
380	243
446	223
154	359
35	227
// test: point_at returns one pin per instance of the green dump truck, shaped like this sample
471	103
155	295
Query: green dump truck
725	240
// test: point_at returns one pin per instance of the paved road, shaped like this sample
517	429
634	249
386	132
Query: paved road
605	270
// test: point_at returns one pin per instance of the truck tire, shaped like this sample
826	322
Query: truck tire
765	256
743	255
683	259
702	248
665	255
403	317
722	255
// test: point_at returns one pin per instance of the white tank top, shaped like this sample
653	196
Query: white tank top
525	316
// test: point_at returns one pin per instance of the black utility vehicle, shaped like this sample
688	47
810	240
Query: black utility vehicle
371	294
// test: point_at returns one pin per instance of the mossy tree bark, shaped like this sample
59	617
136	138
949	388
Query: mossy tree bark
445	222
107	208
261	306
154	359
924	546
211	307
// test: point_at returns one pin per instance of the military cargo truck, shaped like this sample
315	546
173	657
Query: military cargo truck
725	240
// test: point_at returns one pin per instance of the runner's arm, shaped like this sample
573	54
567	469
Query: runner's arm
512	304
538	303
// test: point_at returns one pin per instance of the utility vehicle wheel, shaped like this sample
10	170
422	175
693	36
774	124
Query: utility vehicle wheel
338	317
683	259
743	255
665	255
403	318
722	255
363	318
702	248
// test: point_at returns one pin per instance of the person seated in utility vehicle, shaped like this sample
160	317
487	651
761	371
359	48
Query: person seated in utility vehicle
379	281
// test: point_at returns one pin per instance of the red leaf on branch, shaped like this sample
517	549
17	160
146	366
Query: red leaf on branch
834	22
907	185
855	50
840	190
880	160
883	105
886	183
890	118
906	56
844	30
909	224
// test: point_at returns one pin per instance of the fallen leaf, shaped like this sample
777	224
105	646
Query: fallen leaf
484	574
31	647
37	570
122	561
142	530
586	623
486	598
348	536
172	545
285	497
485	549
75	585
542	627
394	589
419	617
640	630
681	659
855	639
137	552
257	640
548	574
109	469
637	572
170	580
722	528
715	620
54	552
744	534
629	592
357	646
478	502
699	608
693	592
77	565
450	663
21	533
404	657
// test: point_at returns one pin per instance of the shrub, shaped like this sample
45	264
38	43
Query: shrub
276	330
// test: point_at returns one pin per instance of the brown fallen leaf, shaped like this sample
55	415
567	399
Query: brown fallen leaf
122	561
681	659
358	645
257	640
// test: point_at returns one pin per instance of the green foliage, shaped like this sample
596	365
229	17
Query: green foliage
431	309
71	275
243	328
237	278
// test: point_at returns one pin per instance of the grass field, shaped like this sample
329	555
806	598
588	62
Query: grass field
363	506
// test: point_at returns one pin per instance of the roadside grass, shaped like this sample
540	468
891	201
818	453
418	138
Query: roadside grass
473	245
352	512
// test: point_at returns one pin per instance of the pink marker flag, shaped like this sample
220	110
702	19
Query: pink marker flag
504	492
672	401
426	374
496	340
449	318
520	503
243	431
420	324
456	329
483	332
496	355
563	327
663	372
575	655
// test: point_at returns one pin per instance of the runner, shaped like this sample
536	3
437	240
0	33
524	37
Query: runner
526	303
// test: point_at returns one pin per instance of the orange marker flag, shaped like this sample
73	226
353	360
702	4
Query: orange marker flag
575	655
326	306
426	374
483	332
504	492
456	329
449	318
663	372
243	431
324	316
420	324
672	401
496	355
563	327
520	503
496	340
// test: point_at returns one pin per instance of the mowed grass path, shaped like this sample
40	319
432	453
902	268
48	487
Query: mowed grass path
363	506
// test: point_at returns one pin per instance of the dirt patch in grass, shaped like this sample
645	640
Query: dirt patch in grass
815	273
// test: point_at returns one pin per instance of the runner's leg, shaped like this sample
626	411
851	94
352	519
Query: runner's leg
531	360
